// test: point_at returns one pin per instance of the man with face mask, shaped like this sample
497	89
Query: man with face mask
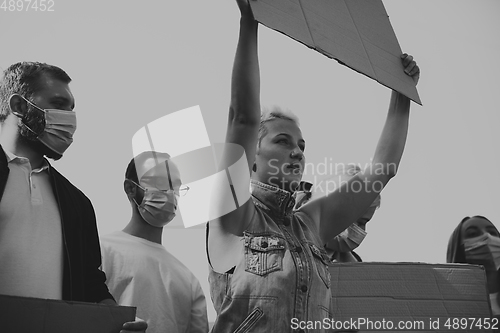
140	271
49	246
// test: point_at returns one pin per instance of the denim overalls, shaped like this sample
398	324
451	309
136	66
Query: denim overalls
283	280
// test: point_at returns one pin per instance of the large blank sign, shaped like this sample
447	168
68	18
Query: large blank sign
357	33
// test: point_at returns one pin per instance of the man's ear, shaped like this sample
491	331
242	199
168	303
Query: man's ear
130	189
18	105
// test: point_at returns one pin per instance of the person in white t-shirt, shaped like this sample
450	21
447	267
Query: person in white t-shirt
140	271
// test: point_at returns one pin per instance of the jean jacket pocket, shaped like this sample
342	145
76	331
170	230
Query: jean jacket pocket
321	261
264	253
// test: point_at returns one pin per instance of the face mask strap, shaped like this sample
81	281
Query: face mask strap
36	106
136	204
142	188
17	114
24	124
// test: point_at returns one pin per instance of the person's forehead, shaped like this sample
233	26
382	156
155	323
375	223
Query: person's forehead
276	126
175	174
477	222
51	88
159	175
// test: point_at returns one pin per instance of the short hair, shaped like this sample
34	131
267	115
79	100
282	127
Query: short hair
23	78
274	112
131	172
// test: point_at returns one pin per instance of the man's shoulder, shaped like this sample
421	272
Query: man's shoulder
181	269
120	244
115	250
114	240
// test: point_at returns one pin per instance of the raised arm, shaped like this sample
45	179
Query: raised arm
244	110
243	124
336	211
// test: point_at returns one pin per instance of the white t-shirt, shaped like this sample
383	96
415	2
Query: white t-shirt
144	274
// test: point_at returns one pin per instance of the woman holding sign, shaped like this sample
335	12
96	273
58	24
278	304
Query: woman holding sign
268	264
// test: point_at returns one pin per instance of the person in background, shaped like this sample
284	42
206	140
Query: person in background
140	271
49	246
477	241
268	266
341	247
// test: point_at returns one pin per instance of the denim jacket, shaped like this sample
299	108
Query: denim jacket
283	278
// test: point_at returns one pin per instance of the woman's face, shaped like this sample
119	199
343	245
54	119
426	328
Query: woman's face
476	226
484	250
280	156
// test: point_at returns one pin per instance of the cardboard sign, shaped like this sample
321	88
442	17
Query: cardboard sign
356	33
411	292
35	315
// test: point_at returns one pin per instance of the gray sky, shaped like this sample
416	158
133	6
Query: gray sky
133	62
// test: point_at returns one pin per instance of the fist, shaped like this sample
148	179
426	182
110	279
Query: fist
410	67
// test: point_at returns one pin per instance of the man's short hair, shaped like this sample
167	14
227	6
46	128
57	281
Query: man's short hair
23	78
131	172
274	112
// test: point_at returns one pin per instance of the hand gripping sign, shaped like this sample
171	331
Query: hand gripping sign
357	33
217	174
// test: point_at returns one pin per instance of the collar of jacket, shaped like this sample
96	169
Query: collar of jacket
4	171
278	201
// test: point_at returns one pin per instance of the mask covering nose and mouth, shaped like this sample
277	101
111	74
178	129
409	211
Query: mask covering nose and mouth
60	125
483	250
348	239
157	208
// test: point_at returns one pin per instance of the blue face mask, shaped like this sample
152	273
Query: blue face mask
60	125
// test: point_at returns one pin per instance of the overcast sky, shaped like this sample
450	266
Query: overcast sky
133	62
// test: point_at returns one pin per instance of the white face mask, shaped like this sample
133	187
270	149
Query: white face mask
157	207
348	239
483	250
60	125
